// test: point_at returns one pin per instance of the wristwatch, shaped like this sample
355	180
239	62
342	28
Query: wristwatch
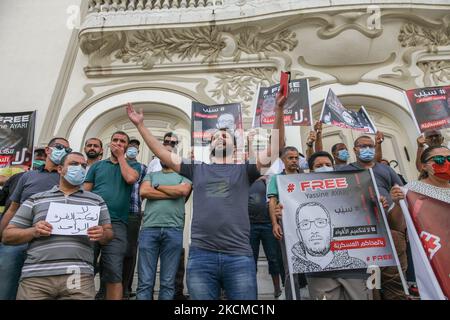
156	186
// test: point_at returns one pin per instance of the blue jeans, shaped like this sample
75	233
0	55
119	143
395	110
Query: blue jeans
209	271
154	243
12	259
262	232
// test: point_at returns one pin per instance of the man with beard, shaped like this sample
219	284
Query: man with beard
220	255
312	253
93	148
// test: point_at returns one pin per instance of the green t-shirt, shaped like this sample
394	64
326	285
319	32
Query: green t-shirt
168	212
111	186
272	187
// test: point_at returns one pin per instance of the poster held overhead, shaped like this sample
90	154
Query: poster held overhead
429	107
334	113
206	120
297	110
16	139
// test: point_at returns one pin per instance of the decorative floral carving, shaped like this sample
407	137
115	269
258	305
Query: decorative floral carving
152	46
435	72
412	35
251	41
240	85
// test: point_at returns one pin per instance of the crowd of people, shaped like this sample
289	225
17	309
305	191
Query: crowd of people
236	207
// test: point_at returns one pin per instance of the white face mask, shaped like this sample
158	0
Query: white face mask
324	169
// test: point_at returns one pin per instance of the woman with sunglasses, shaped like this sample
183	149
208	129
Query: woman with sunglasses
433	184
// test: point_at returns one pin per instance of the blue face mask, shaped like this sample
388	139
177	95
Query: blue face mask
367	154
57	155
343	155
132	153
324	169
75	175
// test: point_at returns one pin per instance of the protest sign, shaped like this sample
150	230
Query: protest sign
17	138
430	107
206	120
334	113
297	110
69	219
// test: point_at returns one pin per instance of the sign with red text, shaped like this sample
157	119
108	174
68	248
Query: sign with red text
16	138
297	109
333	221
430	107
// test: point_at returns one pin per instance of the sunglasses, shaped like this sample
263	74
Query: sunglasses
171	143
61	147
439	159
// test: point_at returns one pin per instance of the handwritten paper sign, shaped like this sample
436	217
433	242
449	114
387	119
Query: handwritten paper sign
69	219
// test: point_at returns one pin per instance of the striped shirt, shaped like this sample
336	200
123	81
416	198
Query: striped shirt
57	254
135	200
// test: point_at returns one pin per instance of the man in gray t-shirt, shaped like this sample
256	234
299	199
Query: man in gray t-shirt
220	256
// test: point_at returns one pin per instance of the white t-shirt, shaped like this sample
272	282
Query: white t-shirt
154	166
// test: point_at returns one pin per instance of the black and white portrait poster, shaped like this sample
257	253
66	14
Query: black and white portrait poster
333	221
430	107
206	120
297	110
334	113
16	138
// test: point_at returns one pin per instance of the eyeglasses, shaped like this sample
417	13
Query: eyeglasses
171	143
62	147
439	159
319	222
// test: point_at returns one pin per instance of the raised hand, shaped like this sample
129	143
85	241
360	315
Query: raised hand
281	100
421	141
318	127
379	138
311	138
134	116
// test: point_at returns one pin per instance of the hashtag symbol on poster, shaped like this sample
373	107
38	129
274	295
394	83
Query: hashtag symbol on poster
291	187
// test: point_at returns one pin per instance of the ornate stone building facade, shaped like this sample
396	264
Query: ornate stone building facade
78	62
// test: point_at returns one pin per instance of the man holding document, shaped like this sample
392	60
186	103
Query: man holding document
60	226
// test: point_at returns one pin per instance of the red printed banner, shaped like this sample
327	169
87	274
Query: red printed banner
358	244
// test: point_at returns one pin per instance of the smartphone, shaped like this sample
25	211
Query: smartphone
284	82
